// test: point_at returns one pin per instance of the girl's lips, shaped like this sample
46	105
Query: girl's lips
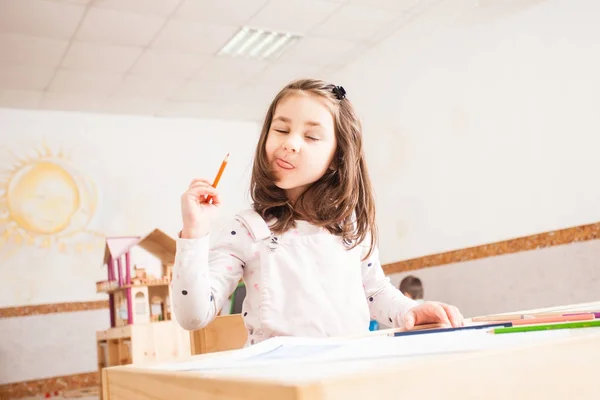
283	164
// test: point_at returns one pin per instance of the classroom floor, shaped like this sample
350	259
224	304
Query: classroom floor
92	393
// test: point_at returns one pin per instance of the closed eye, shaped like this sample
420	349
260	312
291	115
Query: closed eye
312	138
280	131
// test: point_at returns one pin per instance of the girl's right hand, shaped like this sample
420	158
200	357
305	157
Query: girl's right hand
196	211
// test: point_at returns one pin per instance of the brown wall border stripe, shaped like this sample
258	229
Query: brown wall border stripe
23	311
547	239
50	385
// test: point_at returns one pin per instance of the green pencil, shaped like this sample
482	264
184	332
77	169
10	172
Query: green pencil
546	327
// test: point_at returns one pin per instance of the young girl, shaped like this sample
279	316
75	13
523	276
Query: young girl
307	249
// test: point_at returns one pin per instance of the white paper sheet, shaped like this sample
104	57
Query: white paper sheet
292	359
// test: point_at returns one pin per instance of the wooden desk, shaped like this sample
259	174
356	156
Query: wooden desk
554	369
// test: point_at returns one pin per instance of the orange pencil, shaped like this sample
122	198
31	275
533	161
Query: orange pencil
223	165
218	177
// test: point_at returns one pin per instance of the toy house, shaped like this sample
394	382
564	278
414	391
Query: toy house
142	329
136	296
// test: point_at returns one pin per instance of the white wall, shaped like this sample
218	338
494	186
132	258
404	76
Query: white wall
482	124
547	277
44	346
132	169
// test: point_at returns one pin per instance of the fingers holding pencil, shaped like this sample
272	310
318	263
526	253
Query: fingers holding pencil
201	182
200	204
204	193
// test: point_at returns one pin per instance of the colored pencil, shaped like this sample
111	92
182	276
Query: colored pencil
219	174
223	165
557	318
545	327
511	317
596	314
499	318
392	331
459	328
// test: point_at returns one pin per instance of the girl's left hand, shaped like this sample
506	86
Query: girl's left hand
432	312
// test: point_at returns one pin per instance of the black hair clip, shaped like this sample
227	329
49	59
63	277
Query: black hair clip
340	92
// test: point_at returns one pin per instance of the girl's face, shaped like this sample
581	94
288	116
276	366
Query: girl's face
301	142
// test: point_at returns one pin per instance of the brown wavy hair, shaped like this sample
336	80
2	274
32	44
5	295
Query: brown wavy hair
342	199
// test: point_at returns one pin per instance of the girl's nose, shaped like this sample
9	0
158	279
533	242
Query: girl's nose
292	145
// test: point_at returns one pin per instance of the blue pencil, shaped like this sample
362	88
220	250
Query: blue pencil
459	328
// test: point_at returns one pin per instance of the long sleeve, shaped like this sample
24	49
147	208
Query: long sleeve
386	303
204	276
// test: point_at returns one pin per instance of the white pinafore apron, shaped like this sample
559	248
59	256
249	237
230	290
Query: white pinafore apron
306	285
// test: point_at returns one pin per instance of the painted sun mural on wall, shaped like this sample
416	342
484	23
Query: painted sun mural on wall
45	202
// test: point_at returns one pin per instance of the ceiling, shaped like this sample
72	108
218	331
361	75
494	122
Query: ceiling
158	57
